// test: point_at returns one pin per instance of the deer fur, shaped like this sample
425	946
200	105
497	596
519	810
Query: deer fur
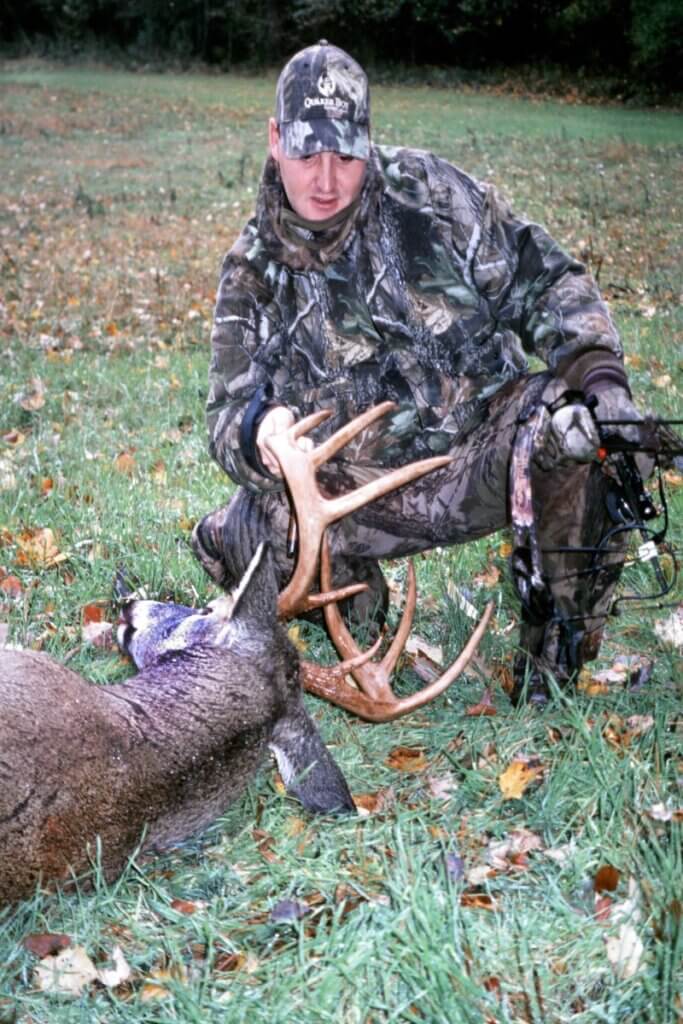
162	754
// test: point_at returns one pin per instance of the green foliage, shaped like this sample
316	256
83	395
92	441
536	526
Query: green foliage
657	36
639	42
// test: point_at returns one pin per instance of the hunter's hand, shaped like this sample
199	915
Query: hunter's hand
578	431
277	421
615	404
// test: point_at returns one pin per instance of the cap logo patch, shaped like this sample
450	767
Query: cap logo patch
326	84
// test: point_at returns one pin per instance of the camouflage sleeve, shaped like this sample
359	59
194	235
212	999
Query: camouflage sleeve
245	324
531	284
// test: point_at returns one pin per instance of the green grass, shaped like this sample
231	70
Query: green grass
119	195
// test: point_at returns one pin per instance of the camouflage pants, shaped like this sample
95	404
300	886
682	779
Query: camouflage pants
470	498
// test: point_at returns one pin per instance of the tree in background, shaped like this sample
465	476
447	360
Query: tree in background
641	39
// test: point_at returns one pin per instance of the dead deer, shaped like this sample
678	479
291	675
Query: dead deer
162	754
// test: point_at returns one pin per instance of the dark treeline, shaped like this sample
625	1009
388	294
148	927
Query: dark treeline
639	41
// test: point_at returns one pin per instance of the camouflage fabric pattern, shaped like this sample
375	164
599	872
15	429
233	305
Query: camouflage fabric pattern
322	103
463	501
431	294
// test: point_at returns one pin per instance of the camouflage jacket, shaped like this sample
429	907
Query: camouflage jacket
430	293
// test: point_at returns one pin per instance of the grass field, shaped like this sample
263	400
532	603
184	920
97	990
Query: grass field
446	901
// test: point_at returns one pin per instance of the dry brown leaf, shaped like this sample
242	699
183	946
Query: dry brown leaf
10	586
125	463
33	398
407	759
159	984
488	578
672	478
42	944
14	438
518	777
484	707
38	548
264	843
374	803
294	634
185	906
159	473
478	901
606	878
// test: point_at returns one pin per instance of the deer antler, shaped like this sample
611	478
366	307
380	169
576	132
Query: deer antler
314	513
375	701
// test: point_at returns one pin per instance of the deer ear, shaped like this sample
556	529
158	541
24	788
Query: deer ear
255	597
308	770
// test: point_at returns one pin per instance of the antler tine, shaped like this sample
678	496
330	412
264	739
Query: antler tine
341	693
374	679
377	702
313	512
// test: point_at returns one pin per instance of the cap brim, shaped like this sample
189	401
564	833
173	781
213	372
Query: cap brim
304	138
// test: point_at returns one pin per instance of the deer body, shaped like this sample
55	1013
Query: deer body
163	753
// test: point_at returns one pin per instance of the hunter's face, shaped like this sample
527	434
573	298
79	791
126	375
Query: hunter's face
320	185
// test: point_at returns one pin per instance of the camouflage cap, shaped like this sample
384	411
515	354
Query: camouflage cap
322	103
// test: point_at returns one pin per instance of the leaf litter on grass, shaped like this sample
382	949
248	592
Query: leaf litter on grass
103	385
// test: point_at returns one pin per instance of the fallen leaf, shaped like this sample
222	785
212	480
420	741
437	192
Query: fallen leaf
264	842
185	906
11	586
67	973
603	908
14	438
42	944
484	707
374	803
407	759
417	647
625	951
489	578
509	854
98	634
159	984
125	463
663	381
660	812
670	630
672	478
442	787
479	873
606	878
478	901
227	963
93	612
111	977
33	398
38	548
517	777
294	634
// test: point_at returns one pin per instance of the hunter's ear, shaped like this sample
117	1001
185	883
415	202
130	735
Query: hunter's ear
274	140
255	598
